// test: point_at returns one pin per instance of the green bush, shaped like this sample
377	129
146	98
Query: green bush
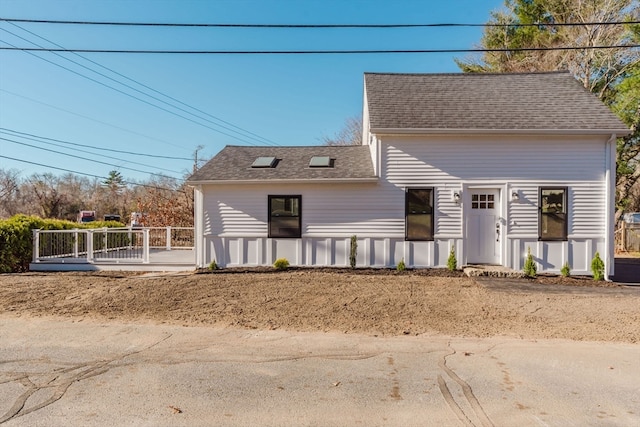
452	261
597	267
213	266
281	264
16	238
530	269
353	251
401	265
566	269
16	243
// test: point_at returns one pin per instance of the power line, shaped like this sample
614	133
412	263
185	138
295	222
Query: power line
39	139
88	174
154	90
55	50
79	157
92	79
247	133
303	26
53	167
91	118
312	52
95	148
125	93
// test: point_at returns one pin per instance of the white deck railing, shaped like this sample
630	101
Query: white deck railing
132	244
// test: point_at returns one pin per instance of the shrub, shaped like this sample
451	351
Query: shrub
16	238
401	265
566	269
597	267
452	261
213	266
16	242
281	264
353	251
530	269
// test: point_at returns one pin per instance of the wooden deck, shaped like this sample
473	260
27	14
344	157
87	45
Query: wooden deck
159	260
124	249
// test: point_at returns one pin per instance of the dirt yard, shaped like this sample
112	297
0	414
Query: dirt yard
374	303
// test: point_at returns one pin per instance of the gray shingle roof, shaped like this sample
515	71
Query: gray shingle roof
233	163
531	101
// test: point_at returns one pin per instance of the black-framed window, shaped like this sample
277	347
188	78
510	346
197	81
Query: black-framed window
419	214
552	220
285	216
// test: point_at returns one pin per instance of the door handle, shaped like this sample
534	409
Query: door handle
497	231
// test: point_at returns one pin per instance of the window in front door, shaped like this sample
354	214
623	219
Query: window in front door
482	201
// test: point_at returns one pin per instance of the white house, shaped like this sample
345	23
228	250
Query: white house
490	165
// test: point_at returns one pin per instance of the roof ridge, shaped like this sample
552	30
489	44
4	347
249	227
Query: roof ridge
293	146
536	101
469	74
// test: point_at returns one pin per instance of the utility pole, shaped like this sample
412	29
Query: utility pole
195	157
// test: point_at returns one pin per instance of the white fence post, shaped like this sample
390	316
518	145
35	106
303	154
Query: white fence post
169	238
36	245
145	245
130	237
75	243
89	246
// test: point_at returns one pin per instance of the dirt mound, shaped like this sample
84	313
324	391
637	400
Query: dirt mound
376	302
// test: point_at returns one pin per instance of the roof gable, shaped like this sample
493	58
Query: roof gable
502	102
233	163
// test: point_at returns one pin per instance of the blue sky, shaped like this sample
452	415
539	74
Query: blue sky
285	99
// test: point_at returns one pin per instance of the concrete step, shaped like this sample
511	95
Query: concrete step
491	271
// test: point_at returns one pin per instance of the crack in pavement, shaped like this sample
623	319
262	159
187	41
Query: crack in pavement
448	397
59	389
467	391
60	383
267	360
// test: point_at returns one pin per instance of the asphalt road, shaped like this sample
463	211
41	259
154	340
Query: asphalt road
627	270
59	373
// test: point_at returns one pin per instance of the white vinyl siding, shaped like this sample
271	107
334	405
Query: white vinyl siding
235	215
523	213
370	210
328	210
586	208
446	162
484	158
234	212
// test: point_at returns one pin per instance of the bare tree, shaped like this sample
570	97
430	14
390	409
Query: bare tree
48	195
166	201
78	191
9	192
350	134
599	70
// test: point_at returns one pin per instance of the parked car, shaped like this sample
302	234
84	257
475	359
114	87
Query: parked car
632	218
86	216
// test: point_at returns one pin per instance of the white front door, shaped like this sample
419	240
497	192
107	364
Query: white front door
483	226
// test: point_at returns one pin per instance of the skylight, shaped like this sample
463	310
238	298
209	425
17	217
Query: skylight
264	162
321	162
